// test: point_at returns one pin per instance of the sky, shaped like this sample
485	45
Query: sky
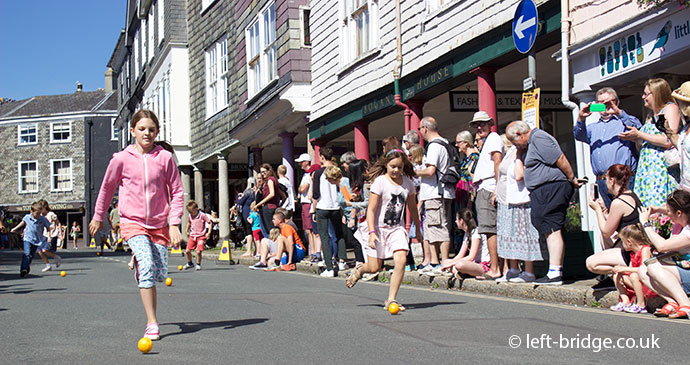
46	46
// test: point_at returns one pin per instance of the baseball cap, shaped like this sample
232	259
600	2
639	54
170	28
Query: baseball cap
303	157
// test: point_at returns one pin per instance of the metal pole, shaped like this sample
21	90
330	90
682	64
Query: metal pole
532	66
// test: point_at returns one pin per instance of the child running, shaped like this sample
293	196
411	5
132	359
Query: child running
152	199
33	235
626	279
391	189
49	247
197	232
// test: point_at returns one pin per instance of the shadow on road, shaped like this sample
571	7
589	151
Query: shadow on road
29	291
416	305
191	327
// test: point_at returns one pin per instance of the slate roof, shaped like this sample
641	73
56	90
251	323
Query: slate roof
58	104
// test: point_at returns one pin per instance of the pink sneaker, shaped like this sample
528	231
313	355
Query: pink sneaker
152	331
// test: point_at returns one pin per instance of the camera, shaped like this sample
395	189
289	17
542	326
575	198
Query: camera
660	123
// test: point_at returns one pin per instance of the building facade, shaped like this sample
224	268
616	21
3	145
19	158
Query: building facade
57	148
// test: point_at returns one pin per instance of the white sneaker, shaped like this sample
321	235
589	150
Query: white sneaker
426	270
197	268
524	277
321	264
327	274
188	266
47	268
342	266
58	261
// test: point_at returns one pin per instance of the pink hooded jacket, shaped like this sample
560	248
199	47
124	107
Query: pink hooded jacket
150	188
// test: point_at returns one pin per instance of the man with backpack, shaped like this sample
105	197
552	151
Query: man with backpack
490	156
436	196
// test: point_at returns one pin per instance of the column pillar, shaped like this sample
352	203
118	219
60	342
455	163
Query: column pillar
486	84
186	172
198	187
258	159
362	140
289	154
223	197
416	109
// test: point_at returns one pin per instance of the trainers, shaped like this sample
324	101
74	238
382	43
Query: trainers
342	266
58	261
47	268
321	264
23	273
197	268
523	277
152	332
619	307
425	270
434	270
558	280
634	308
510	274
604	284
188	266
327	274
258	266
502	279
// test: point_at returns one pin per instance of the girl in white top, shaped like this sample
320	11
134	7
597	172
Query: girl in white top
391	190
473	258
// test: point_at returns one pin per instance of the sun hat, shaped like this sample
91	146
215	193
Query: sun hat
303	157
683	92
480	116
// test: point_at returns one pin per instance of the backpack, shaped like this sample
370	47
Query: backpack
452	174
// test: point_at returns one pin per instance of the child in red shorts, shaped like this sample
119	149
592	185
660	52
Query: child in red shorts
255	221
197	233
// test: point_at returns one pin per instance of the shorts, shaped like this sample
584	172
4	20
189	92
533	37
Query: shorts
435	225
306	216
684	279
258	235
548	203
247	227
44	246
297	255
314	226
391	240
196	242
486	212
151	261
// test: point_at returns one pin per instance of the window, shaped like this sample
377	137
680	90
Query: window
60	132
433	5
137	56
205	4
260	37
304	26
161	20
114	132
27	134
27	177
358	29
151	24
216	77
61	175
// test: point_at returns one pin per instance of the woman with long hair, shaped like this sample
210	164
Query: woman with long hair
271	197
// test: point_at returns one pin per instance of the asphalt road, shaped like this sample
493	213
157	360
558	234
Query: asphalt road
226	314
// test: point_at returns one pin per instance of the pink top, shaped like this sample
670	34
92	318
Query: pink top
151	193
197	225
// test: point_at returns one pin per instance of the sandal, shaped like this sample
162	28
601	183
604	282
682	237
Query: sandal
681	312
391	301
354	276
667	310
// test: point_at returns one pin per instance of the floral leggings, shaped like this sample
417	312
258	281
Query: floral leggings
151	260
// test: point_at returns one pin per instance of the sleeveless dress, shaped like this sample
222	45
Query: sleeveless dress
653	181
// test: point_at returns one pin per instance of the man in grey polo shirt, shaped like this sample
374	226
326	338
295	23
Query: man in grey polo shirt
551	183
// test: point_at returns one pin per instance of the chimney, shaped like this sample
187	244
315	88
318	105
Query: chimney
110	80
79	87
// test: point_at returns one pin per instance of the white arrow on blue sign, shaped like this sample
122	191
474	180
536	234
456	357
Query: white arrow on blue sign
525	25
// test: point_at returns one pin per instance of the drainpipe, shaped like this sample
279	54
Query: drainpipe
397	69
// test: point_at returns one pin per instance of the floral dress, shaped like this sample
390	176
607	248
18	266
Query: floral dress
464	189
653	181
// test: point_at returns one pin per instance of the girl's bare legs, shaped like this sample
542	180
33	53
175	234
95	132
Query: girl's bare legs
620	281
149	299
399	260
250	245
634	281
665	281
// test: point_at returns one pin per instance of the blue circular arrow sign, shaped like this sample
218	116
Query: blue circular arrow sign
525	26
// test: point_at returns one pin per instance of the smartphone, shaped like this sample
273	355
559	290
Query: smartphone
597	107
596	192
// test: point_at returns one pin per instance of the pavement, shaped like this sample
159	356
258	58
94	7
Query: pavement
574	292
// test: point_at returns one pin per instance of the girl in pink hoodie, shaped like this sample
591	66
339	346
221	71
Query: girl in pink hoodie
151	200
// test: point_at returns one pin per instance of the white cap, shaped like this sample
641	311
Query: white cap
303	157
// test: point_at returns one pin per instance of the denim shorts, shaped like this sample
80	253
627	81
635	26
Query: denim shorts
684	279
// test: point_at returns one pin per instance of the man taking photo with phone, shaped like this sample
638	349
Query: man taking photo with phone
602	137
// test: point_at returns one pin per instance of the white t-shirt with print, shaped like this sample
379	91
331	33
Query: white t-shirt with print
483	250
303	197
485	164
436	155
393	200
329	195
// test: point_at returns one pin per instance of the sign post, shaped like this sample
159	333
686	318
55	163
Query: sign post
525	26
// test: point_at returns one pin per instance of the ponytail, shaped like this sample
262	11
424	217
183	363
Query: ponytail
621	174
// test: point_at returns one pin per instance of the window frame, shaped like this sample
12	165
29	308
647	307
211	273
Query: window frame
53	174
350	51
160	12
304	28
52	131
20	177
19	134
217	74
205	4
114	132
264	62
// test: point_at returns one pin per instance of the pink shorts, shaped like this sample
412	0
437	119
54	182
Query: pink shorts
392	240
196	242
258	235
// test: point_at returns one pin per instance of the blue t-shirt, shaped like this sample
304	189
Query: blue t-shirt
34	229
256	224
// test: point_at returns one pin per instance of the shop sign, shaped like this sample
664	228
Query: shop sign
530	108
461	101
644	45
238	167
25	208
377	104
428	80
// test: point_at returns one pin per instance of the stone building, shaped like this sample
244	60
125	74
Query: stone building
57	148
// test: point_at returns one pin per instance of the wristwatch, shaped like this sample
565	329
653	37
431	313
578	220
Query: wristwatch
648	225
